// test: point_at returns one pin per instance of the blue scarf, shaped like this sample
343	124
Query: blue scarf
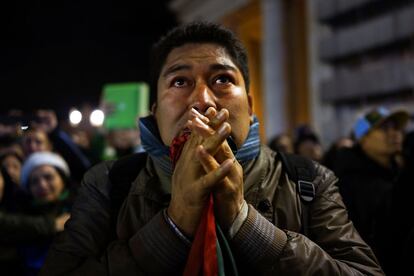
153	145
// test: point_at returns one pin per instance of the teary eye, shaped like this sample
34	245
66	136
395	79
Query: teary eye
178	82
223	79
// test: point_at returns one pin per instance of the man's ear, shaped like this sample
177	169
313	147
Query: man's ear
153	108
250	102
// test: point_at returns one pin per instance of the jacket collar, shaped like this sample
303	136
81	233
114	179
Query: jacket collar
151	141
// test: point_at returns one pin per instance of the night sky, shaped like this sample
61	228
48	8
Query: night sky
58	54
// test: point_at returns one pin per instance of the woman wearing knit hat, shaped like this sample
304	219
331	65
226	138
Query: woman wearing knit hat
45	176
18	230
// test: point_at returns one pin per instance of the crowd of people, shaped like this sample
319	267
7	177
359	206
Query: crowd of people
41	168
64	211
374	166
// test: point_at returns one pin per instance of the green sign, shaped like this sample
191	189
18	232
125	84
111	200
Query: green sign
124	103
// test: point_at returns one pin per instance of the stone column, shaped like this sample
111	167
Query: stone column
273	62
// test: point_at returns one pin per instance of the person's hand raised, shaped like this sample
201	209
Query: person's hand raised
191	185
212	153
60	221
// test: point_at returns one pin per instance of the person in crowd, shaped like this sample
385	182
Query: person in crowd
367	173
9	258
18	229
329	157
44	134
202	139
123	142
11	160
307	144
282	142
46	177
400	220
10	131
35	140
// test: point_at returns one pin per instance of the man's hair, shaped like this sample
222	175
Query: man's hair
197	32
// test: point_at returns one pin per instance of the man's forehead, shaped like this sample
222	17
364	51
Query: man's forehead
188	67
189	55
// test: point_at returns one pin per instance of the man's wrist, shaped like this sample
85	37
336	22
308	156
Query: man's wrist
239	220
175	228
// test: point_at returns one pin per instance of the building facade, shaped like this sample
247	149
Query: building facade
319	62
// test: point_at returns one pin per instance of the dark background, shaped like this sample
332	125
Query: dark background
58	54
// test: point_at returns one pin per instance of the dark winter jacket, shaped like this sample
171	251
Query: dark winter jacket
366	188
268	243
34	251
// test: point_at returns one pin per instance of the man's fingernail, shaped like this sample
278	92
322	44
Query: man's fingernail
197	114
223	130
200	122
209	111
220	116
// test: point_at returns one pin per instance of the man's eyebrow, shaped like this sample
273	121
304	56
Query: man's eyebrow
218	66
176	68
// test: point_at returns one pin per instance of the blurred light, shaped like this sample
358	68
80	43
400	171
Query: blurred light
24	127
97	118
75	117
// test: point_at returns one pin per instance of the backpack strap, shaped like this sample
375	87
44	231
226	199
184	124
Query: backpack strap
122	174
301	171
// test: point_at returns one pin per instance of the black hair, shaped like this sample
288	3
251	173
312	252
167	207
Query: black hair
197	32
275	145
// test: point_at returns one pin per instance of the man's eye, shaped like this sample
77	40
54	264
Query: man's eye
223	79
179	82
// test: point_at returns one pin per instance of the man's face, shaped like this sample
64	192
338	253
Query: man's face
386	139
201	76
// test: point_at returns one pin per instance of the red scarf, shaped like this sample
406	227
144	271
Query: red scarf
202	259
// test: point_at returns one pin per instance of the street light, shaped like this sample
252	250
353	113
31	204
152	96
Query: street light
97	118
75	117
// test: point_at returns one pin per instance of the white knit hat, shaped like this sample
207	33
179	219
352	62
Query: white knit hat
39	159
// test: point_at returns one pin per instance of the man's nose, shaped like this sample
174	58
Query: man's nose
202	98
